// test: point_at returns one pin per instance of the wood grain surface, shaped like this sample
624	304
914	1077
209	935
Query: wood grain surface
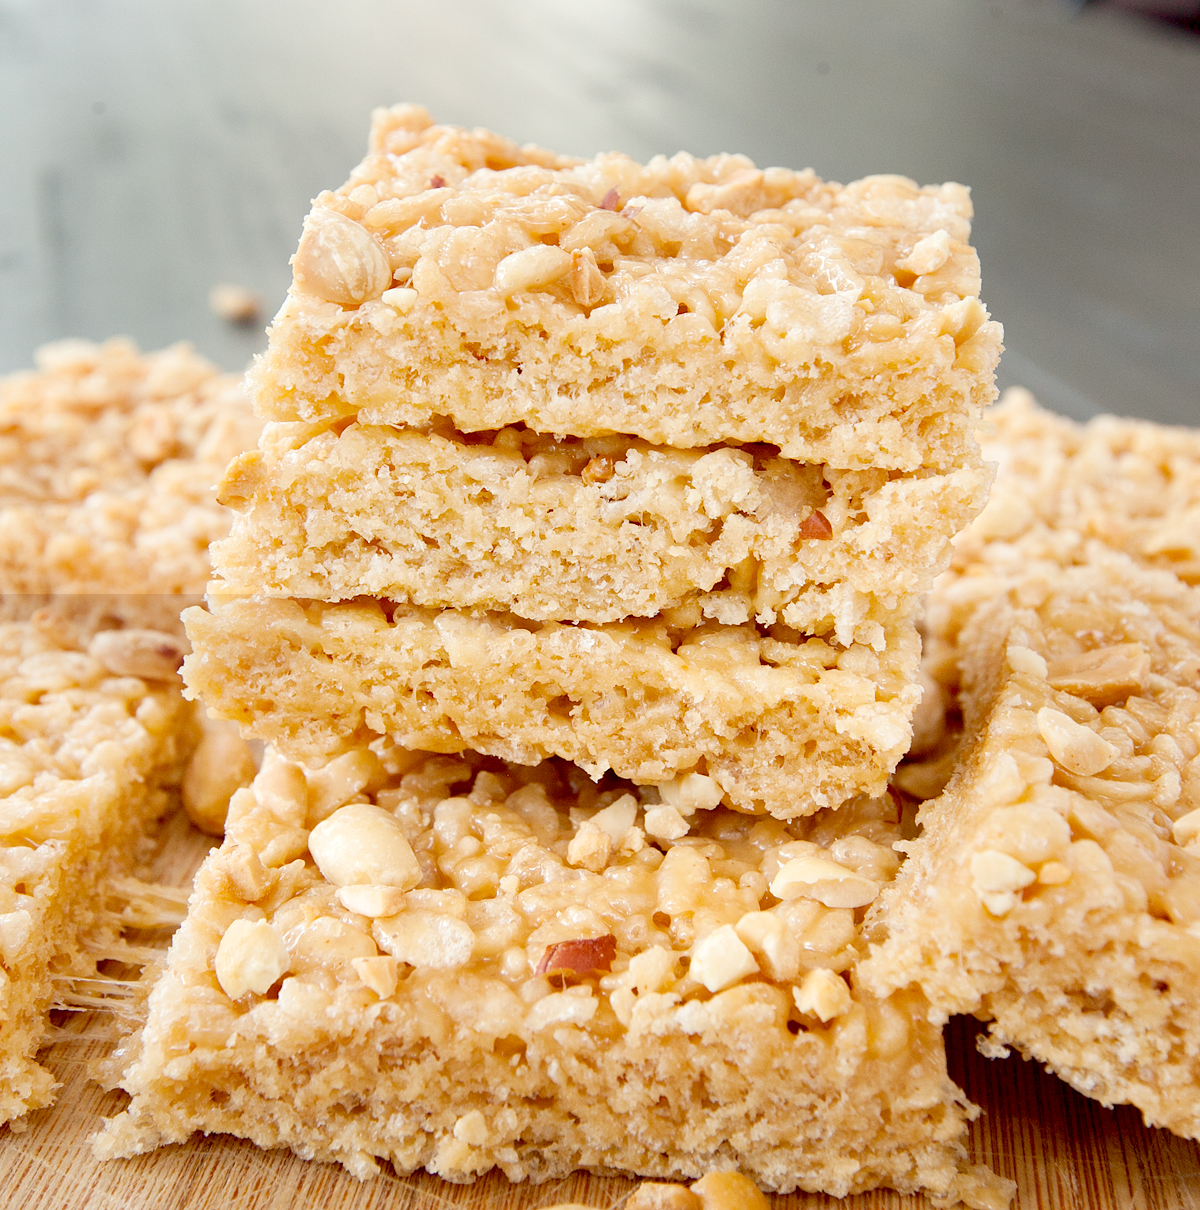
1064	1151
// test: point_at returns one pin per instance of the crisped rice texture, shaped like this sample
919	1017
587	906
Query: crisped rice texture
87	763
108	460
592	530
687	302
786	725
1064	494
75	617
1055	889
429	1037
1132	485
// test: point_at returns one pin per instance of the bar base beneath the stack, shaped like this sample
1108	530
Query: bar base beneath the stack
687	1018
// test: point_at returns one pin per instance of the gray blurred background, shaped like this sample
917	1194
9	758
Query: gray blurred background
152	148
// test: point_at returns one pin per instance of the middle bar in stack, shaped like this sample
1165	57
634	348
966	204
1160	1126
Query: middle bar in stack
644	467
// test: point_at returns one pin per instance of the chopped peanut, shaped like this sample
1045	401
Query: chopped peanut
590	847
1103	676
651	1195
691	792
1077	748
997	878
578	957
221	764
149	654
364	844
822	994
729	1191
825	881
721	959
379	973
250	958
665	823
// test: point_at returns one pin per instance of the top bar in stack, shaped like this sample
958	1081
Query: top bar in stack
643	466
686	302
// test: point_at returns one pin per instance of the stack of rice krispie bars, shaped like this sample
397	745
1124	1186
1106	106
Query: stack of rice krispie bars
642	467
108	463
573	582
1055	888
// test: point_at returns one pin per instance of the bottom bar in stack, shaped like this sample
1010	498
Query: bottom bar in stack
450	963
1055	889
786	724
88	757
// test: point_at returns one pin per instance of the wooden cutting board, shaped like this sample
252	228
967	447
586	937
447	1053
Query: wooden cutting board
1064	1151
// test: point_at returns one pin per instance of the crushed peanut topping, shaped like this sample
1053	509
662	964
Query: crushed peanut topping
501	994
450	867
1055	888
752	304
579	957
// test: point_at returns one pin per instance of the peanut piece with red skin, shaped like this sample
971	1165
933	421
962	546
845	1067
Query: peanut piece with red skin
816	525
579	956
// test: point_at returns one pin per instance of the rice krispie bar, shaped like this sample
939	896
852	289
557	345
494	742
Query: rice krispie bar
450	964
1066	493
593	529
89	755
785	724
1055	889
1132	485
108	463
78	616
687	302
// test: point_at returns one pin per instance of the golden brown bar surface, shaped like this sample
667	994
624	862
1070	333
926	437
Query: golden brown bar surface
454	964
687	302
1055	889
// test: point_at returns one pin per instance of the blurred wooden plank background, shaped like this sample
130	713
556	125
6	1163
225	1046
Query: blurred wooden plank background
150	150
